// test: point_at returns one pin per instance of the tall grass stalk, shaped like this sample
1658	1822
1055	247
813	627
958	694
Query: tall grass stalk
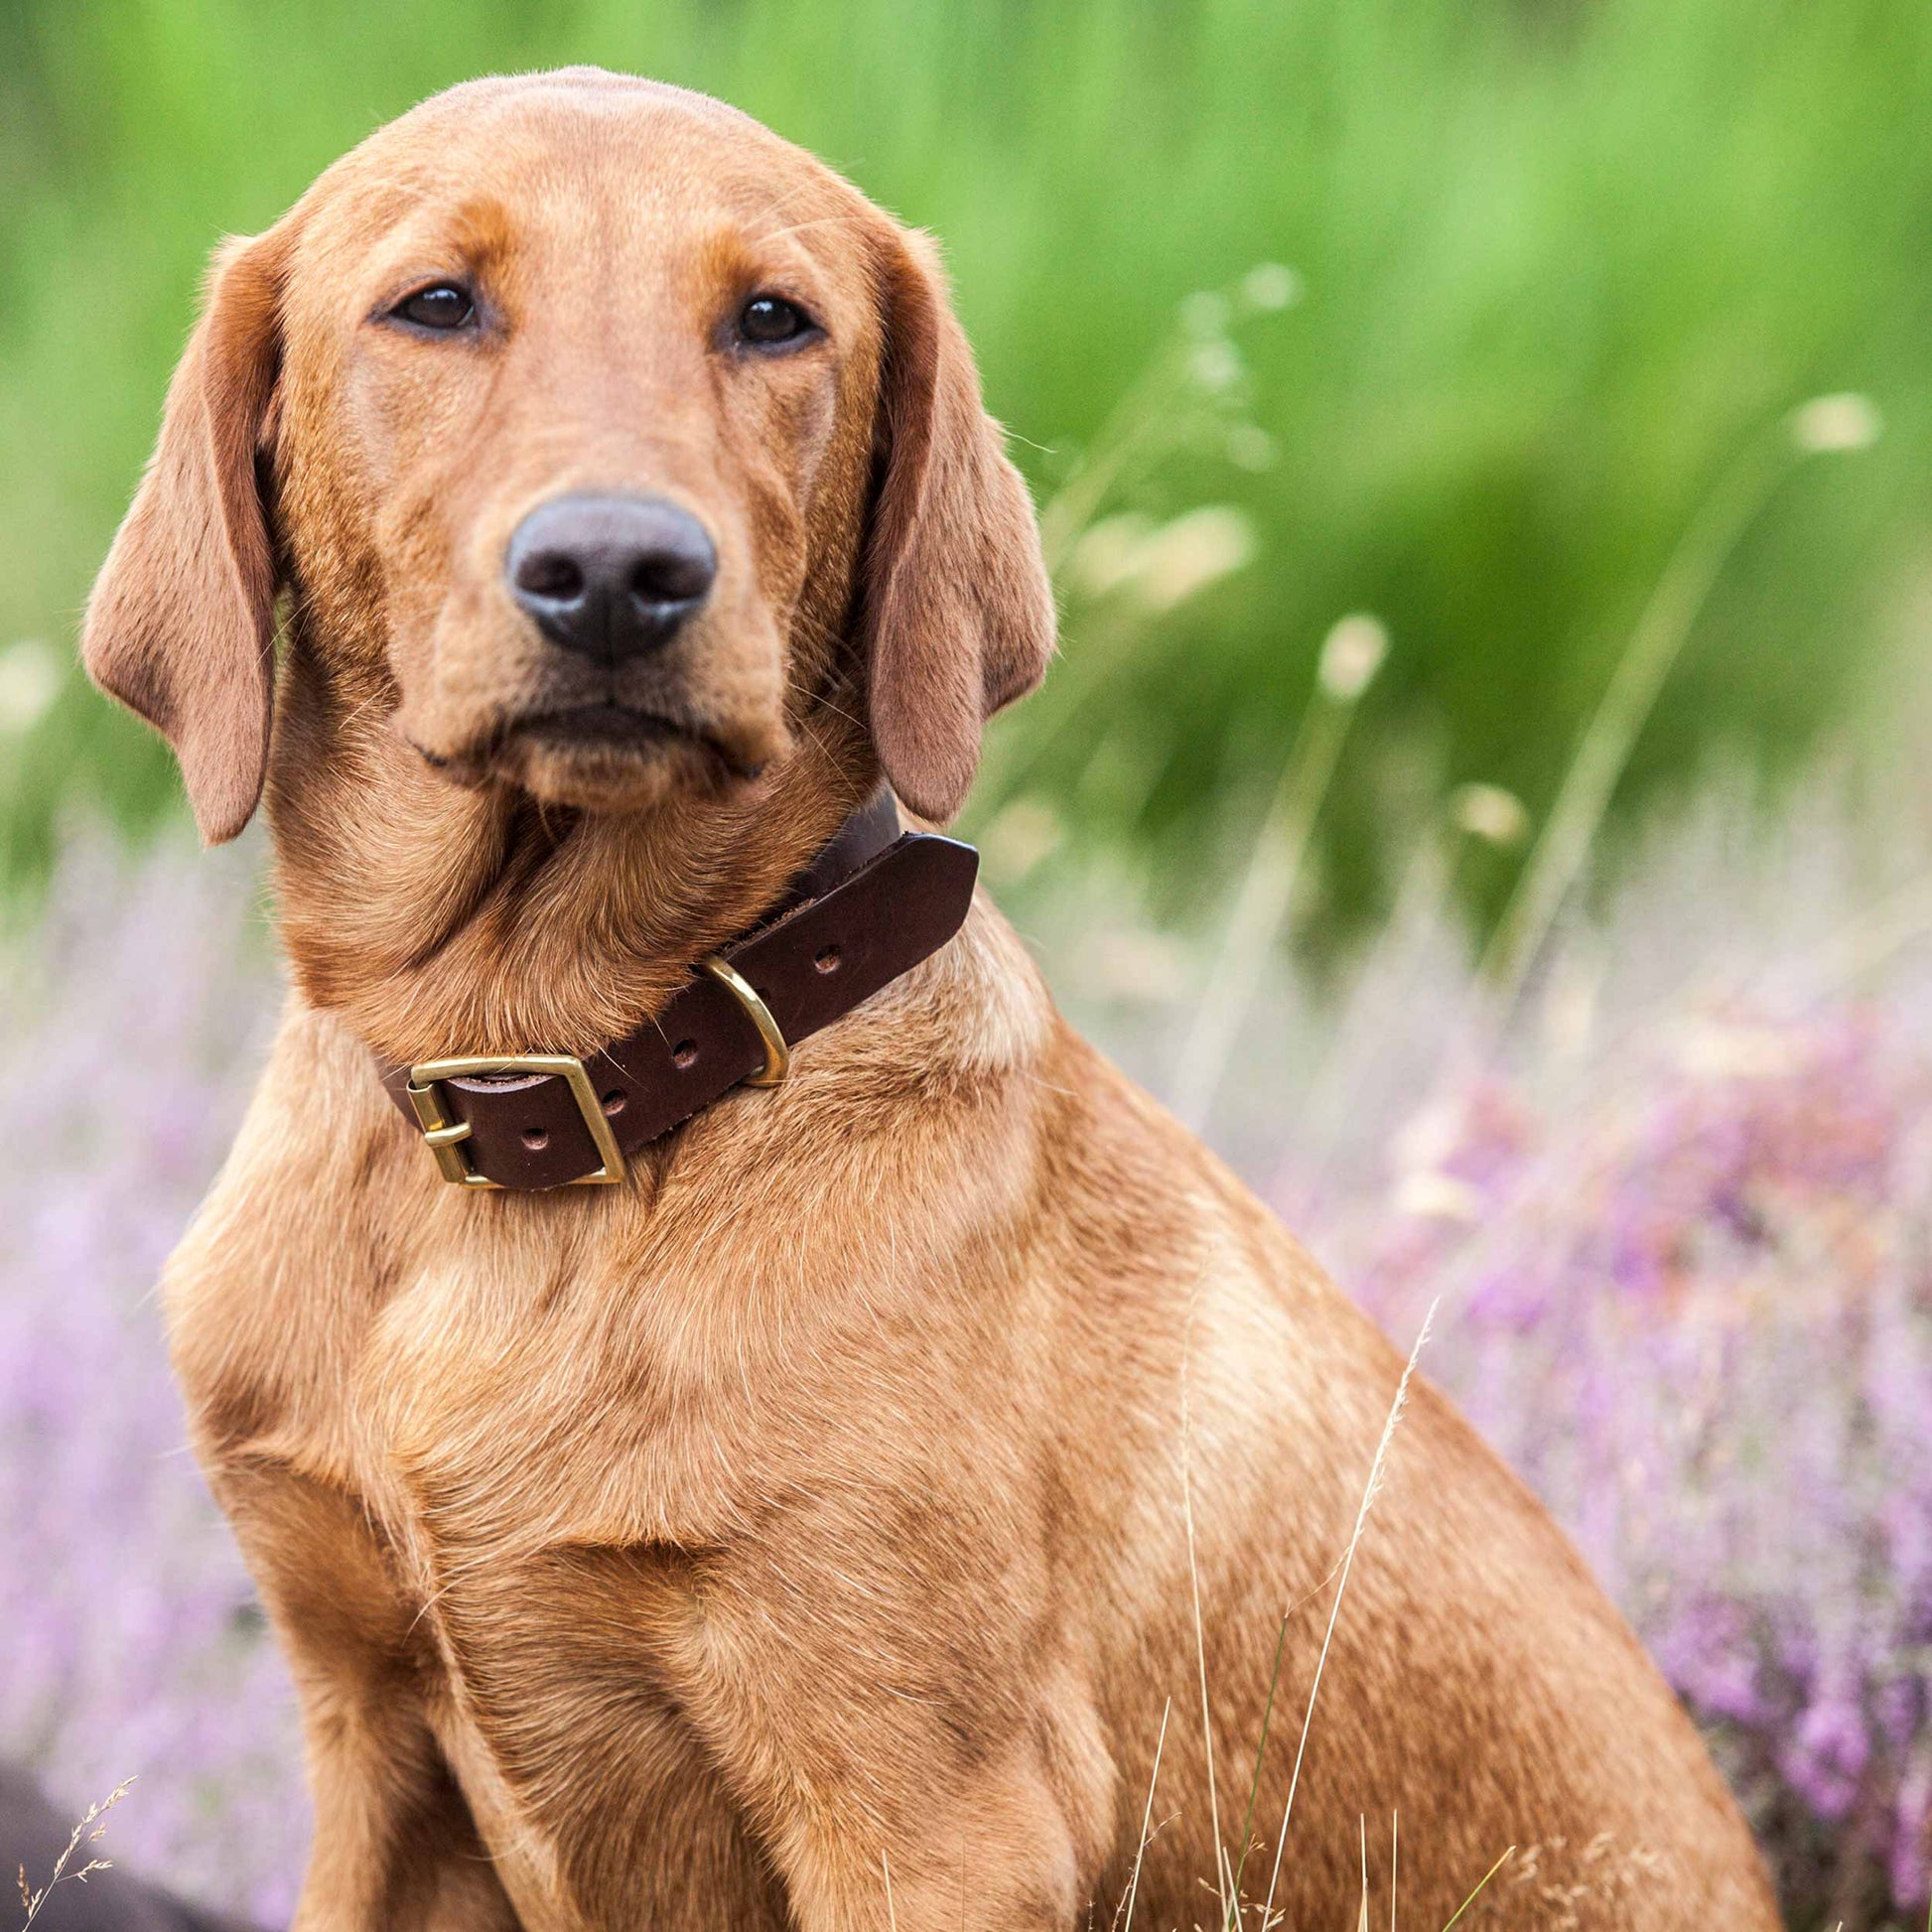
96	1818
1424	903
1369	1491
1147	1824
1350	659
1190	396
1480	1883
1395	1846
1361	1917
1254	1784
1824	425
1194	382
1200	1639
1142	428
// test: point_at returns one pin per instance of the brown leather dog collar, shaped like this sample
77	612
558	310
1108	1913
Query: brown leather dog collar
870	906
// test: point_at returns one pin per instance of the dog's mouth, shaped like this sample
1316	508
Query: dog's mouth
618	727
605	756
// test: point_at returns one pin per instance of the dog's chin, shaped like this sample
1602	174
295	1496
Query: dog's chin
611	758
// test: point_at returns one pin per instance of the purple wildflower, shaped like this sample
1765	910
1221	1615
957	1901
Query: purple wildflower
134	1642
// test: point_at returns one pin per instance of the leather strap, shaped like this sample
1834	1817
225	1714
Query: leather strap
870	906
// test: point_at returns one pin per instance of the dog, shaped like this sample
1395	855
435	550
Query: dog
879	1503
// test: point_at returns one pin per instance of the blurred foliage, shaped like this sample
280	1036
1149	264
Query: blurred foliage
1557	259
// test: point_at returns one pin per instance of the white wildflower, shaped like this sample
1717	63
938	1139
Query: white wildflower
1215	366
1488	812
1025	832
1351	654
30	681
1182	558
1109	553
1204	316
1431	1196
1269	284
1828	424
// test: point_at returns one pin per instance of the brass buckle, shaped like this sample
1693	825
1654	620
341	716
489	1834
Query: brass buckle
778	1056
445	1135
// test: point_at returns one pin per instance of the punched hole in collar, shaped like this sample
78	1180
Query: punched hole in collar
827	959
684	1053
536	1139
613	1100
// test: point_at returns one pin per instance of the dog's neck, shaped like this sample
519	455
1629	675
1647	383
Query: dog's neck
434	919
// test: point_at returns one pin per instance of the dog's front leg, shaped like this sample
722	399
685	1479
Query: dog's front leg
918	1806
993	1853
395	1848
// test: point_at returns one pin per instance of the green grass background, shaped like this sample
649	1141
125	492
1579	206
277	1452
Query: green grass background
1561	257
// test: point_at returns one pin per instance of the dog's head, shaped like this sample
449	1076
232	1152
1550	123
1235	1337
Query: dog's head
598	436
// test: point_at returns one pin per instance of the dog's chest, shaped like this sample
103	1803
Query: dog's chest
491	1375
511	1414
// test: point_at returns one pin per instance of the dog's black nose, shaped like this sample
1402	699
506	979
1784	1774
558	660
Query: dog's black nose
609	576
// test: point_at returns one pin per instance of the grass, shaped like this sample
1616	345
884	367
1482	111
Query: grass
1234	1911
1827	425
91	1829
1369	1489
1350	659
1557	263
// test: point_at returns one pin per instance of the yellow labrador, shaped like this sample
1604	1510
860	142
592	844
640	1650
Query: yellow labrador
786	1527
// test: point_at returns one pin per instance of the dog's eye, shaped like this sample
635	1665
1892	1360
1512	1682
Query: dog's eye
444	305
768	320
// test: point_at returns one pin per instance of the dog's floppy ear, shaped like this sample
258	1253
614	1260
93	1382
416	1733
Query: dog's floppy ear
181	624
958	613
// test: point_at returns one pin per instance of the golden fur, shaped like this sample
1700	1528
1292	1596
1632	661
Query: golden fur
809	1509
